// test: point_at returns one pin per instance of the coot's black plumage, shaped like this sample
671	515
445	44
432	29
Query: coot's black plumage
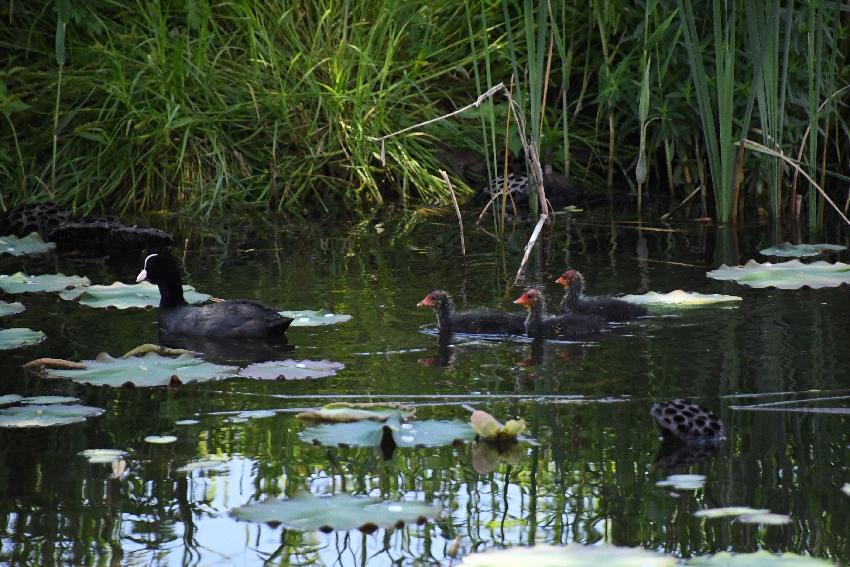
538	325
476	321
609	308
232	318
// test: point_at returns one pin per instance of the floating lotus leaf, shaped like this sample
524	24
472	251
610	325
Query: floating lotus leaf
727	512
429	433
103	456
765	518
679	298
20	337
187	422
488	427
144	371
126	296
11	308
46	415
799	250
757	559
45	400
290	369
244	416
345	412
308	512
10	399
160	439
792	274
683	481
210	462
308	318
22	283
29	245
846	488
573	555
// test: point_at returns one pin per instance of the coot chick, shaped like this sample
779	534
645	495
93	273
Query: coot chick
687	422
232	318
538	325
476	321
609	308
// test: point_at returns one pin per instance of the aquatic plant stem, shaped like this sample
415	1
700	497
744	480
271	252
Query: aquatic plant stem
531	241
457	211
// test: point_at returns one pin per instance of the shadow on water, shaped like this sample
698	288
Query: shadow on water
590	475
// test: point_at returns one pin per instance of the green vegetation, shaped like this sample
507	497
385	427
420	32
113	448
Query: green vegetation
197	106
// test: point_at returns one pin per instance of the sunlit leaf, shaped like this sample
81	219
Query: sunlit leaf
19	337
11	308
792	274
683	481
679	298
160	439
207	463
346	412
757	559
46	415
765	518
727	512
22	283
308	512
126	296
573	555
291	369
308	318
799	250
30	245
144	371
103	456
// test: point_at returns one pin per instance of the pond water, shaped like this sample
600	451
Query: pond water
589	476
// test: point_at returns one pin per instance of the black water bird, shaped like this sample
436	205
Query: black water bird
609	308
539	325
476	321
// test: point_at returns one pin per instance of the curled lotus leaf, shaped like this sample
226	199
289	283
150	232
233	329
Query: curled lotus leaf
19	337
789	250
103	456
429	433
728	511
290	369
307	512
679	298
144	371
488	427
792	274
758	559
119	295
683	481
21	283
46	415
30	245
569	555
11	308
346	412
309	318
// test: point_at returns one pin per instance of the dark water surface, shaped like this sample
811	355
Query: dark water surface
592	477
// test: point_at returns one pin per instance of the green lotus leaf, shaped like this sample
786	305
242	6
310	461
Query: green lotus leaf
799	250
431	433
10	399
160	439
765	518
103	456
757	559
209	462
290	369
126	296
29	245
46	415
144	371
19	337
727	512
346	412
679	298
683	481
792	274
308	318
573	555
21	283
45	400
11	308
307	512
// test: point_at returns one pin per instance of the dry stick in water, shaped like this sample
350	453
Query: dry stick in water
457	211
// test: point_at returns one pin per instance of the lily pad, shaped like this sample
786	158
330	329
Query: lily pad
728	512
29	245
570	555
210	462
345	412
679	298
10	399
251	414
308	512
144	371
21	283
46	415
431	433
160	439
45	400
765	518
11	308
187	422
308	318
683	481
846	488
488	427
792	274
290	369
127	296
20	337
103	456
757	559
799	250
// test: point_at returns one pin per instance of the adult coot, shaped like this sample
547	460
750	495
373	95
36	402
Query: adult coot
609	308
232	318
